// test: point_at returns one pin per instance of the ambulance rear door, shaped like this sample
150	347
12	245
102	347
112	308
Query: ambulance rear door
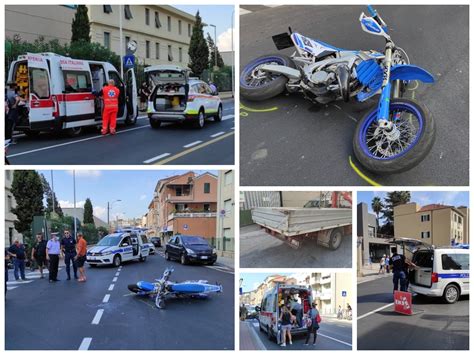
40	100
132	96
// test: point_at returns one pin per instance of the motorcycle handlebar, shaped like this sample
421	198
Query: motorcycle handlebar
372	11
374	14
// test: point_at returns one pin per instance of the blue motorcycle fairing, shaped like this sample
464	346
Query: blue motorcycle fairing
188	287
407	72
315	47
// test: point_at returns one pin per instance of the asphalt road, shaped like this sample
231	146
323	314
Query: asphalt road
60	316
140	144
300	143
332	335
260	250
438	326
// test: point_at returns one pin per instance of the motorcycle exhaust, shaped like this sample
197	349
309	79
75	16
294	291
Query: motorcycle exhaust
344	76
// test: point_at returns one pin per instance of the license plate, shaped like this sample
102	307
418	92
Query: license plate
203	257
92	258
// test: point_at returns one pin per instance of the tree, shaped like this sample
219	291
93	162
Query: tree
377	207
50	196
392	200
213	49
81	26
27	189
198	49
88	212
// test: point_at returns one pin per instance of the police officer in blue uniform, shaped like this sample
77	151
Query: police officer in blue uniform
68	247
400	264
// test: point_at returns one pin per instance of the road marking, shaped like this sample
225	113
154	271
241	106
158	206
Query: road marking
106	298
86	342
232	128
117	273
97	316
11	283
257	339
111	287
227	117
361	174
11	288
192	144
270	109
375	311
190	150
114	279
339	341
217	134
158	157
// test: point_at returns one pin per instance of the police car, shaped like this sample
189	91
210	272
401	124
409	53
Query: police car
118	247
442	271
176	97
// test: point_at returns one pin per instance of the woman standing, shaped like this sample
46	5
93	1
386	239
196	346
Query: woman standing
312	323
285	319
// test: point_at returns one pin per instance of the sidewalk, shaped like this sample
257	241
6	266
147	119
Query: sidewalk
225	95
370	272
248	339
229	262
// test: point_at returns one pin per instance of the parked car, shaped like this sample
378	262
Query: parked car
156	241
252	312
188	248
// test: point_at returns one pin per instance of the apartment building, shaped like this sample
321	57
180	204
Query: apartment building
11	234
225	218
187	204
434	224
163	33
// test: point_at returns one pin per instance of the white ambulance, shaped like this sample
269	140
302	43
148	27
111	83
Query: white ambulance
60	93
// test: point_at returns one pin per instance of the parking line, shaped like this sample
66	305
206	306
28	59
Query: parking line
375	311
114	279
158	157
217	134
111	287
97	316
339	341
106	298
86	342
191	144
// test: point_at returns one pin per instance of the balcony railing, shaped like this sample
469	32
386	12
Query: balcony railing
191	215
179	198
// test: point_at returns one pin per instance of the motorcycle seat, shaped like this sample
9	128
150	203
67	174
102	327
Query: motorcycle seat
146	286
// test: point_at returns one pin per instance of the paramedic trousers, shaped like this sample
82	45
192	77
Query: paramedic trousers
53	266
400	276
68	259
109	117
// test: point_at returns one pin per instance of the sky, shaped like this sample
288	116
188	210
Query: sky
252	280
218	15
455	198
133	187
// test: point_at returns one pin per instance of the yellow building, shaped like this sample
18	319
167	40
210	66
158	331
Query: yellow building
225	213
434	224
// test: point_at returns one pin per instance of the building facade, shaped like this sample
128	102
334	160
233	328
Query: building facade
225	218
434	224
78	213
11	234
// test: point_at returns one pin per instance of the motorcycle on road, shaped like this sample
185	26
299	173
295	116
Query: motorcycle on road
392	137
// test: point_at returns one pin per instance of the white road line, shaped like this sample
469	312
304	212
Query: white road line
227	117
117	273
339	341
158	157
9	283
97	316
11	288
114	279
375	311
191	144
106	298
232	128
86	342
111	287
217	134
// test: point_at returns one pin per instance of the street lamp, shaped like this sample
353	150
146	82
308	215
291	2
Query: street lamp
215	44
109	207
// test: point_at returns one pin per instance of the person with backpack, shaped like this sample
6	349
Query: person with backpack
312	323
38	253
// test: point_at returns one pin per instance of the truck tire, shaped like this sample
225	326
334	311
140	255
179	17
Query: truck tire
335	239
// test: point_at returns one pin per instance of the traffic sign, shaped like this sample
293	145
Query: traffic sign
402	302
129	61
185	227
344	293
222	213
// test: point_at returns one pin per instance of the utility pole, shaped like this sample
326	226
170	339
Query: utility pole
52	191
232	49
74	188
121	39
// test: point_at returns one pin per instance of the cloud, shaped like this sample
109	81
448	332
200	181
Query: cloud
69	204
142	197
86	173
224	41
99	211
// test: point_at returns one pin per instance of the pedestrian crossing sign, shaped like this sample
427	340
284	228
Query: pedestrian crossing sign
129	61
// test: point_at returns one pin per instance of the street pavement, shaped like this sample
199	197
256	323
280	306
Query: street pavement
333	334
437	326
173	143
101	314
288	141
261	250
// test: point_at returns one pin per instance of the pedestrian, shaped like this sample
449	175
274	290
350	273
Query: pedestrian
53	249
339	312
243	312
387	264
14	100
144	94
38	253
110	95
312	324
81	248
382	264
213	87
18	252
68	248
7	261
285	319
349	312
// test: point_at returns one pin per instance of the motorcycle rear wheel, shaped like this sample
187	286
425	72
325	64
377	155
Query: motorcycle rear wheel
266	85
417	134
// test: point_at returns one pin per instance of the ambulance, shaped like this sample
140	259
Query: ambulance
61	93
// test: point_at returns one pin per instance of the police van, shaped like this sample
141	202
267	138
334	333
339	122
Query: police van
441	271
116	248
270	308
60	93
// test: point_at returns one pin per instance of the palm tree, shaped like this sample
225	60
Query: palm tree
377	207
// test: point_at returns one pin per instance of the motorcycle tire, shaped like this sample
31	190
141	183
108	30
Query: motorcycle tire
405	160
270	89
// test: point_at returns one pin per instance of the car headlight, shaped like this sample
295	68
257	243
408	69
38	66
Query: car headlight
190	251
106	253
214	251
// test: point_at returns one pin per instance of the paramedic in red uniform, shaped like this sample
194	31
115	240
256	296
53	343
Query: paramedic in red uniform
110	95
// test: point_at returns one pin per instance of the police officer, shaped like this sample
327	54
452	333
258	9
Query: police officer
68	247
400	266
110	95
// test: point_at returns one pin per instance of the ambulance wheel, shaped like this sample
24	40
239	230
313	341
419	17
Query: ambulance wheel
451	294
218	116
31	134
154	123
74	132
201	119
335	239
117	260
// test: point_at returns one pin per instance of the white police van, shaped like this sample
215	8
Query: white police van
442	271
118	247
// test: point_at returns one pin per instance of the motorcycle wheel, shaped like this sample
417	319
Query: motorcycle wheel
259	86
382	152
